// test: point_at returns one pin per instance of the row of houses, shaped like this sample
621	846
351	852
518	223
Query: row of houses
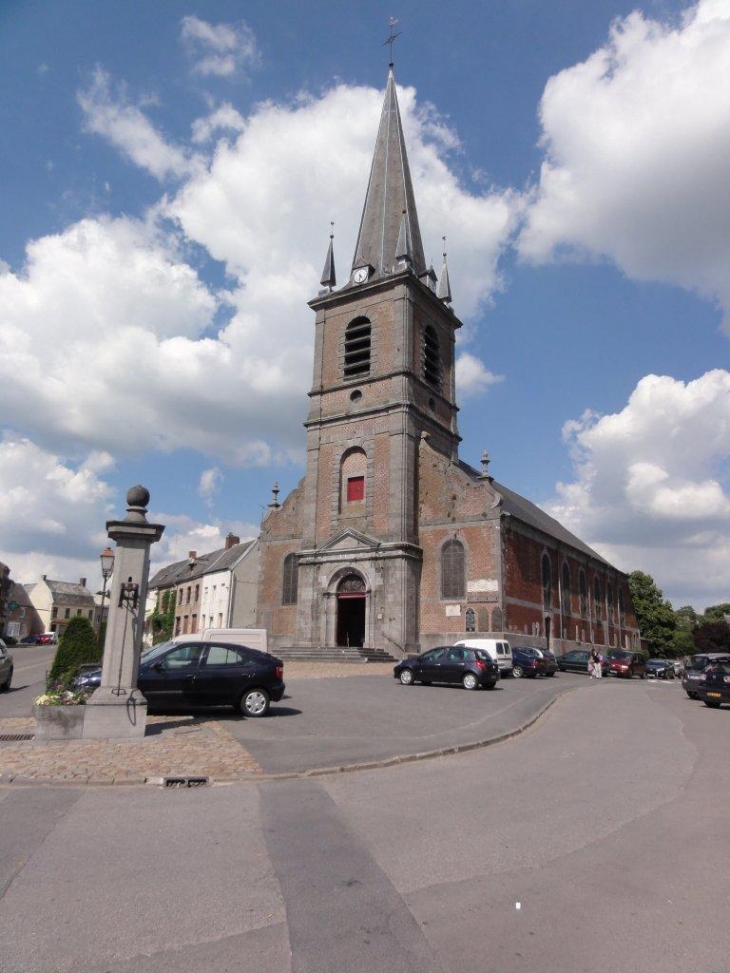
44	606
215	590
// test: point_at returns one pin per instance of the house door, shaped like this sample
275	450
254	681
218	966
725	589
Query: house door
351	611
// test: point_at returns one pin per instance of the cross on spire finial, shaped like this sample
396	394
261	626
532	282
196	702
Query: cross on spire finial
392	36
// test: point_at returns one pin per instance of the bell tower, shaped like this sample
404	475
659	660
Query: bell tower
383	379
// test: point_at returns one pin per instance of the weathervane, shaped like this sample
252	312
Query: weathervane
391	38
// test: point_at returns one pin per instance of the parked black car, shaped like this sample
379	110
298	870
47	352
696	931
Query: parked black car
450	664
527	663
715	689
660	668
577	661
694	672
183	675
530	661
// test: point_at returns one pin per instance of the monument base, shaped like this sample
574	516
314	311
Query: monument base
113	715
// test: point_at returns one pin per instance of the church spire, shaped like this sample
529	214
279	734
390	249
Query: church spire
329	278
389	226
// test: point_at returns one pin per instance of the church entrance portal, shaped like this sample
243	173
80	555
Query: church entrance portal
351	611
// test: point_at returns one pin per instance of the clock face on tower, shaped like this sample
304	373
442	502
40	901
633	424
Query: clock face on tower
361	275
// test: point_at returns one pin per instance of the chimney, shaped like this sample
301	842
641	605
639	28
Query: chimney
231	541
44	577
192	555
82	582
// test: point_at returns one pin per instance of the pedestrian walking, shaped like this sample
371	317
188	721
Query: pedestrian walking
594	666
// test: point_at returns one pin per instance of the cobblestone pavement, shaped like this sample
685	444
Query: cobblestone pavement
173	747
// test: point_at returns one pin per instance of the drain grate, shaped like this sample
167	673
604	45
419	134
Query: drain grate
186	781
15	737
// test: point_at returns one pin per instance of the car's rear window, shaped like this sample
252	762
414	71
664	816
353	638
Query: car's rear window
482	655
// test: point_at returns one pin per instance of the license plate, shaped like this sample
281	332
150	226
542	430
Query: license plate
715	695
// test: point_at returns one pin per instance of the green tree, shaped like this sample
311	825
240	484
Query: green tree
683	644
78	646
712	637
162	619
654	614
687	618
716	613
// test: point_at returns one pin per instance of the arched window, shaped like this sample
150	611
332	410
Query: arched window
453	570
621	608
566	589
547	583
289	588
353	468
470	619
357	348
597	599
431	357
583	593
610	604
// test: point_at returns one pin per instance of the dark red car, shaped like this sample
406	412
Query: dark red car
623	662
49	638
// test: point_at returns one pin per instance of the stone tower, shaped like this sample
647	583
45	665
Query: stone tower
383	379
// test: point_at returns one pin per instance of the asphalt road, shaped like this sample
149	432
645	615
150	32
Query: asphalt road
30	665
596	841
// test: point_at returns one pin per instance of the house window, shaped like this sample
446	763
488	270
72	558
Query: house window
453	570
187	596
91	614
67	613
470	618
54	613
357	348
355	489
290	580
583	589
621	608
431	357
610	605
597	598
197	592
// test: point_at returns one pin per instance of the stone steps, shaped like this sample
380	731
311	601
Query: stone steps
302	654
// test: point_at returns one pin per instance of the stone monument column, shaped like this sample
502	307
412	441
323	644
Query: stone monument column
117	709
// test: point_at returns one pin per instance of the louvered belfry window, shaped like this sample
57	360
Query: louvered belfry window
453	570
431	357
357	348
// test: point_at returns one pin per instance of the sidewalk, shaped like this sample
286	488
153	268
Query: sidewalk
173	747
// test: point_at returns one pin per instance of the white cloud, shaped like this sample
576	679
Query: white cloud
637	140
183	535
651	488
472	377
51	506
210	483
110	114
222	50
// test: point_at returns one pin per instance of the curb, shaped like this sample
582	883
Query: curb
164	781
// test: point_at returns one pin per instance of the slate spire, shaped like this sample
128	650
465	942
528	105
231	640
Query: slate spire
329	278
444	288
389	226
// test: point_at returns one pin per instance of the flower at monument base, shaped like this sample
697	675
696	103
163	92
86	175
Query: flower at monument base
61	696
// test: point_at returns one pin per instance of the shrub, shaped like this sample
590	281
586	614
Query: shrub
78	646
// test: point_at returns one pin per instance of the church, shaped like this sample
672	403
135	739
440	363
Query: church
390	541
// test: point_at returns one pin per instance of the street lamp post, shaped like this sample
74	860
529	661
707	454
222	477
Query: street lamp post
107	566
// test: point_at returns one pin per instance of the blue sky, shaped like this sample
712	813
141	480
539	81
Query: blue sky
170	171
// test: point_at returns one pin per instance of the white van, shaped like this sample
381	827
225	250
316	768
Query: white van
254	638
498	649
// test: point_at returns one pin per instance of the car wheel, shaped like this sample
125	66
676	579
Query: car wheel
630	674
692	695
518	672
712	703
6	685
254	702
550	674
469	681
406	677
491	685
